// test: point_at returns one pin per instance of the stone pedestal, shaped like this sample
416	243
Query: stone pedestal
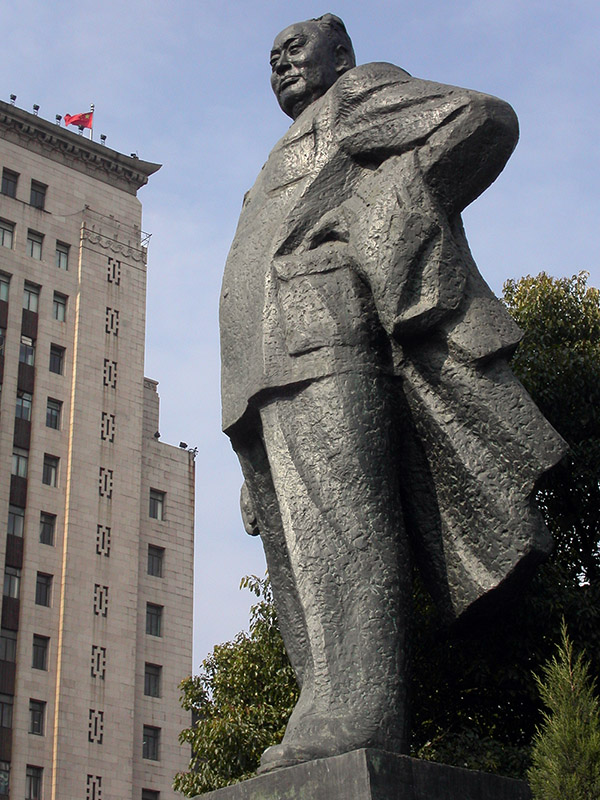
373	775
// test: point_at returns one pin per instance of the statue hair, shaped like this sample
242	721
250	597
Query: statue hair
337	34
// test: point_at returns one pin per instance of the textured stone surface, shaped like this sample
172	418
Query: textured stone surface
374	775
365	384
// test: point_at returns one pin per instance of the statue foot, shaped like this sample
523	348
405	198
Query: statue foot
287	755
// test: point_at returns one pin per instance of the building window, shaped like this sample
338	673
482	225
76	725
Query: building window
43	589
37	197
47	527
62	255
4	286
7	232
2	339
12	582
53	412
37	710
4	778
59	307
27	351
152	675
157	504
33	783
23	409
9	182
20	461
50	470
154	619
6	710
155	560
40	652
151	743
57	358
8	645
31	297
16	521
34	244
150	794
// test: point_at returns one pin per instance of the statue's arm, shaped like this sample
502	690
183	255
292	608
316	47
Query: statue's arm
463	138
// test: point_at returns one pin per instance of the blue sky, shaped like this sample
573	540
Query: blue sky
186	84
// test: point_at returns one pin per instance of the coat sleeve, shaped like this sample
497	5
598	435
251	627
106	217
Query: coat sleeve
463	138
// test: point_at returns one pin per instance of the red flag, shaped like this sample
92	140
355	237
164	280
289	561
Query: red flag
82	120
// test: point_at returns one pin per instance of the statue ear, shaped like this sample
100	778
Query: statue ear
343	60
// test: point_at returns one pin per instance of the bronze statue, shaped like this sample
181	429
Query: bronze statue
365	385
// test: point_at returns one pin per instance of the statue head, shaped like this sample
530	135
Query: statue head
307	59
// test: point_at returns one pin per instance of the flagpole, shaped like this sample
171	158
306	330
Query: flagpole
92	126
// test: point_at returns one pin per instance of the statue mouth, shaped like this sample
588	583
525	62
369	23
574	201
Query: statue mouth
288	81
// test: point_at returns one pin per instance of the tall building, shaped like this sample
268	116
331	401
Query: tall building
96	514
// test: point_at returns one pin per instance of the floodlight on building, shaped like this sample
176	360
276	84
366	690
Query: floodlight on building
183	445
36	108
58	119
13	97
102	138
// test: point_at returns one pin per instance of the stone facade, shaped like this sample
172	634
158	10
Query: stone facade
106	509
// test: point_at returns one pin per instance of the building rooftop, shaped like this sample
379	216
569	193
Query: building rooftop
74	150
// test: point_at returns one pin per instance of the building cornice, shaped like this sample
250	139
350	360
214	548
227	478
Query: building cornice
73	150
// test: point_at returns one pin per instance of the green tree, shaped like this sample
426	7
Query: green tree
566	747
240	701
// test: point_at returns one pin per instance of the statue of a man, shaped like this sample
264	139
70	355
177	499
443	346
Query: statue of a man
365	383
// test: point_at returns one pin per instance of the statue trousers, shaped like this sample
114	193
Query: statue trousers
323	477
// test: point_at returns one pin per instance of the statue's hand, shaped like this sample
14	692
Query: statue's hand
248	513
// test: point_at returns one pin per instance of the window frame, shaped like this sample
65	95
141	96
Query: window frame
152	680
61	258
56	363
4	286
40	645
154	619
34	244
31	296
59	306
15	513
47	522
53	413
9	177
20	462
12	582
156	560
6	711
7	233
50	469
24	405
8	645
43	589
157	505
151	743
27	351
4	778
37	194
34	777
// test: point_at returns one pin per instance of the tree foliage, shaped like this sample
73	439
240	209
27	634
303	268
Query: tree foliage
566	747
240	701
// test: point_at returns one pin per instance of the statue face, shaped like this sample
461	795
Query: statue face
304	65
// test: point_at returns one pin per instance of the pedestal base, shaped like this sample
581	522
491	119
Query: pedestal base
373	775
